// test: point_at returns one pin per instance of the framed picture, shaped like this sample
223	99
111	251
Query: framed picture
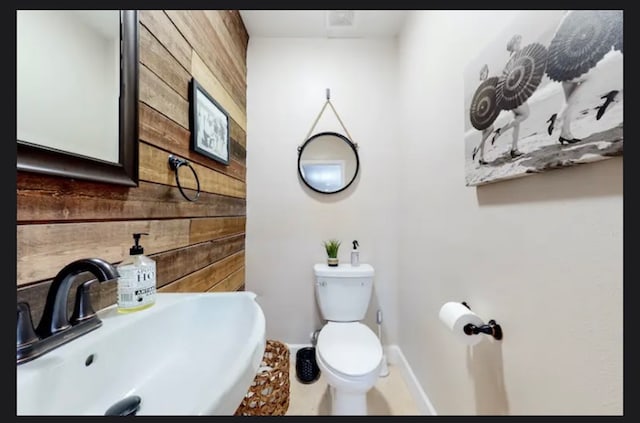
546	93
209	125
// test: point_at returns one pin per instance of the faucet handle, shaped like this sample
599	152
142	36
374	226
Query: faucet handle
25	333
82	309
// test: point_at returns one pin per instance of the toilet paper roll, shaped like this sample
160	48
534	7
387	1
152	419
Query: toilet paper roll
455	316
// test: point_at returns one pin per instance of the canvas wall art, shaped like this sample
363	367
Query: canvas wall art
545	94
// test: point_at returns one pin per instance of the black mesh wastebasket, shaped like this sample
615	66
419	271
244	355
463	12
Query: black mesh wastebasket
307	370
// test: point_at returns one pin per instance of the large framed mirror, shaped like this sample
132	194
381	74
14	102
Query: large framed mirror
328	162
77	94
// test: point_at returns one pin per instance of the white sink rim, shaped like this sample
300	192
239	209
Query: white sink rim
226	386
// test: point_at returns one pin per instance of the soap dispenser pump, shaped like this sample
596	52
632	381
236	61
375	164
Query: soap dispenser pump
137	281
355	254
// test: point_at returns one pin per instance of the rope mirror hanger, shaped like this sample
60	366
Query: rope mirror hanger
328	102
331	164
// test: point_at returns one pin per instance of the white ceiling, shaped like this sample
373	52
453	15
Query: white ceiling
313	23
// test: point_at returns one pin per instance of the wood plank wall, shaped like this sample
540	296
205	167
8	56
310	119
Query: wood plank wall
198	246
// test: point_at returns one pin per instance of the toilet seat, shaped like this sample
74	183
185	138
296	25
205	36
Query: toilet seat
349	348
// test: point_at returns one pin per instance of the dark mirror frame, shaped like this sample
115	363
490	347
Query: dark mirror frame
39	159
349	143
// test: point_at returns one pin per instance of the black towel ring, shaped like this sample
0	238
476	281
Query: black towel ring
175	163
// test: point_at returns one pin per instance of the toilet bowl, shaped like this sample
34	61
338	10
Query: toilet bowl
349	355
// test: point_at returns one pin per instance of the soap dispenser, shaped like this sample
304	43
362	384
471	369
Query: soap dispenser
355	254
137	281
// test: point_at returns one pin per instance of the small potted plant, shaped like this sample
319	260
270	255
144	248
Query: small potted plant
332	251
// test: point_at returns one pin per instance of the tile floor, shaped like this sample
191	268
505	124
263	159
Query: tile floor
389	397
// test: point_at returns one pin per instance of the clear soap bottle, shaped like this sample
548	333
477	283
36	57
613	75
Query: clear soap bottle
355	254
137	281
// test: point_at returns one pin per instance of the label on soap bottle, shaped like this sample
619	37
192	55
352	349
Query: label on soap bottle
355	258
136	285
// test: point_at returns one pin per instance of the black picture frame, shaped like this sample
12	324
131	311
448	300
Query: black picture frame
209	123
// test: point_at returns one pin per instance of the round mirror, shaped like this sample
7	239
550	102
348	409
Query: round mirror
328	162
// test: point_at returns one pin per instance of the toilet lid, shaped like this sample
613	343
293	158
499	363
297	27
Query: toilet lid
350	348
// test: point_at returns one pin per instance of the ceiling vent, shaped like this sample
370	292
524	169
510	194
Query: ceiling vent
340	18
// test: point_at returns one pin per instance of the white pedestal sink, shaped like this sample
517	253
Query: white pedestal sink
189	354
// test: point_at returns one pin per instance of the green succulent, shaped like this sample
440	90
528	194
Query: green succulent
332	247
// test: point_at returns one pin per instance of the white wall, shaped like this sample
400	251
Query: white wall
68	81
542	255
286	221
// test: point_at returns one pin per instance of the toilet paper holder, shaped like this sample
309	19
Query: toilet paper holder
492	328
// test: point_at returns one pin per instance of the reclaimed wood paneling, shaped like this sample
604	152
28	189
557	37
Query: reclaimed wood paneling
154	167
208	80
47	248
44	249
235	26
237	133
170	266
197	30
203	279
175	264
159	24
158	60
233	282
43	198
235	54
198	246
157	129
237	152
160	96
205	229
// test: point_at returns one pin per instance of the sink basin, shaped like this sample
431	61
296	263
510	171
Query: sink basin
189	354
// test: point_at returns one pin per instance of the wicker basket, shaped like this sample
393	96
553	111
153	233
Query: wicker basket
268	394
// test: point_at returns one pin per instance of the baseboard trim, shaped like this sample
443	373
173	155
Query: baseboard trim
396	357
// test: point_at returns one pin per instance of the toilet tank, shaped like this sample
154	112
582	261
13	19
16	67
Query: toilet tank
343	292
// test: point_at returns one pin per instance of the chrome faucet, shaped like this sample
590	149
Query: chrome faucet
55	328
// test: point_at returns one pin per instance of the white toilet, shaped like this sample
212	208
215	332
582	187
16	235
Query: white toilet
348	353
